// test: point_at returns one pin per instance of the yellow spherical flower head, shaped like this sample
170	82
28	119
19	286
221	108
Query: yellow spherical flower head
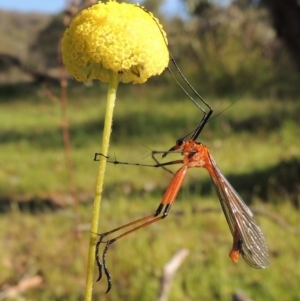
118	37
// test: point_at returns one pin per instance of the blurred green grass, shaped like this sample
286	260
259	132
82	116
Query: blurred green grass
248	138
254	142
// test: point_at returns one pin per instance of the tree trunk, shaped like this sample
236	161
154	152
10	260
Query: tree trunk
286	19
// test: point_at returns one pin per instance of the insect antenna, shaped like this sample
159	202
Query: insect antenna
206	115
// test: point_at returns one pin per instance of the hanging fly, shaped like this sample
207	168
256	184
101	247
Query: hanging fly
248	239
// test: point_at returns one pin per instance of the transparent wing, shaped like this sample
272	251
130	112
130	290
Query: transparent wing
252	244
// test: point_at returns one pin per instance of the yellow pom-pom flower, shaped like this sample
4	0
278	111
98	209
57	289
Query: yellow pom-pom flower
117	37
113	42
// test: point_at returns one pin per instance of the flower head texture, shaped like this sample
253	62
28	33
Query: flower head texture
117	37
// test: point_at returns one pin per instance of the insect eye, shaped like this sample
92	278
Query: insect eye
179	142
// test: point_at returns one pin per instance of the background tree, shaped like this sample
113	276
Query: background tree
286	20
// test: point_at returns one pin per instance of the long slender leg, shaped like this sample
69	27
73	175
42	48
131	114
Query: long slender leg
97	155
165	204
157	163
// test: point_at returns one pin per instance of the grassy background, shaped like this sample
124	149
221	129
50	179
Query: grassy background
255	143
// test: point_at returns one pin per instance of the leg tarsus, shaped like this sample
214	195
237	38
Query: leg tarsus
99	154
153	218
99	264
95	157
159	209
166	211
106	271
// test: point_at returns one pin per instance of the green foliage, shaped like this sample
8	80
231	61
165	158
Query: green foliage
230	51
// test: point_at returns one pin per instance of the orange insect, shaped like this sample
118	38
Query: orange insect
248	239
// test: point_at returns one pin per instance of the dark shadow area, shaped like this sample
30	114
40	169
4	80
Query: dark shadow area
51	139
133	125
270	121
145	125
35	92
281	180
33	206
139	125
10	93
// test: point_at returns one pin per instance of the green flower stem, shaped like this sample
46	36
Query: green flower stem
111	96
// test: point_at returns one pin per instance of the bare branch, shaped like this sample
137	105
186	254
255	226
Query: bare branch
22	286
240	296
169	271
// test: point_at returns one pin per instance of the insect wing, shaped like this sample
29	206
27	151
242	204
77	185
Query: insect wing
253	247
